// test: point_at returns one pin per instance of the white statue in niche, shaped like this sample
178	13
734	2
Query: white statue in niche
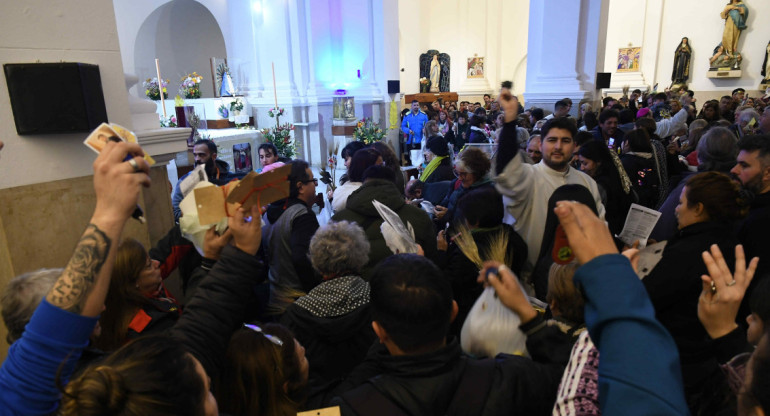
435	73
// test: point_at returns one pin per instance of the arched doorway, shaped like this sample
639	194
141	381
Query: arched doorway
183	35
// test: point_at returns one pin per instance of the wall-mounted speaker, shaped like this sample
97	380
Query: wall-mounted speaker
394	87
603	80
61	97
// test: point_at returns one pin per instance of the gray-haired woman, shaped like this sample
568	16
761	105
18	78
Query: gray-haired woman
333	321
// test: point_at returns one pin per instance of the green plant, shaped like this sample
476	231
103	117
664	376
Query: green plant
368	131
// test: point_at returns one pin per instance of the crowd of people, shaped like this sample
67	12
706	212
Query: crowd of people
280	313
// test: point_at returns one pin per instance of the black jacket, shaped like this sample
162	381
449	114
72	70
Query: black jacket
425	384
443	172
218	308
359	209
644	178
333	345
674	286
302	229
463	273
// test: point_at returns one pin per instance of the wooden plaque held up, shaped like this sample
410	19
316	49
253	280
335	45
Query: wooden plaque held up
328	411
262	188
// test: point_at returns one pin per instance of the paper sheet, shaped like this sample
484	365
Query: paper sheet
195	177
399	238
639	224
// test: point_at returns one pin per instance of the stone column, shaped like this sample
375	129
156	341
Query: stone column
565	49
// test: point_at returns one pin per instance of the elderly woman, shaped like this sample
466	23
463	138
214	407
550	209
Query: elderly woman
472	169
333	321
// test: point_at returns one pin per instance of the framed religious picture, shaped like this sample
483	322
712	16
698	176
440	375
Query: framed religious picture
221	72
344	108
242	157
475	67
629	59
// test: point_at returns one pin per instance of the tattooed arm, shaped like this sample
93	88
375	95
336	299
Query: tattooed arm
83	285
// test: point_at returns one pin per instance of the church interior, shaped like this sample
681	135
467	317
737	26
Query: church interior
327	64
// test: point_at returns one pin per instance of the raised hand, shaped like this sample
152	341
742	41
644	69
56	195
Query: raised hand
213	242
247	231
508	290
722	291
117	183
509	104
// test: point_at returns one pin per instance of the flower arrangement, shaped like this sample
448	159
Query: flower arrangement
191	85
330	179
168	122
424	83
275	112
280	136
368	131
152	89
223	111
236	106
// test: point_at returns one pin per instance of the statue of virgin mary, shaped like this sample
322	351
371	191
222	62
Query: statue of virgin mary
735	14
435	74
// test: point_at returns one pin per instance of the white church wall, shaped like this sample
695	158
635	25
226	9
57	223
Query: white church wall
183	35
493	29
75	31
659	26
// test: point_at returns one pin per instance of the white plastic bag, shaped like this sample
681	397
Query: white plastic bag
491	328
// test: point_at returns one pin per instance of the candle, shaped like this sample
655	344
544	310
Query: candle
275	90
160	85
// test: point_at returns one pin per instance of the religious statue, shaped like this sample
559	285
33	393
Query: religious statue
435	73
735	14
766	66
434	66
720	59
682	55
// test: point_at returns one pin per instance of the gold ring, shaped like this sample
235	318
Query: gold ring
134	165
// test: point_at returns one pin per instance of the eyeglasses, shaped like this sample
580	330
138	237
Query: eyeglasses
461	174
272	338
314	180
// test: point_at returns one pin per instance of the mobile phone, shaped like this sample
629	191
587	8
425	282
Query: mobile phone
611	143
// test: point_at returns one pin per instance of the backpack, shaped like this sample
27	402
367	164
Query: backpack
468	399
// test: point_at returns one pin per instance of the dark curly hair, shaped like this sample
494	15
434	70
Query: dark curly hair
721	196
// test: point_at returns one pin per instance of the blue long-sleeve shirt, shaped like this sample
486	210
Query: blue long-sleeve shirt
28	375
639	372
415	123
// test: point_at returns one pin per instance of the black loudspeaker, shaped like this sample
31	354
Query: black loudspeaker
62	97
394	87
603	80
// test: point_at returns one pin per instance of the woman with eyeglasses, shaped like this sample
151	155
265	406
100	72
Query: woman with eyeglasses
137	302
472	170
265	373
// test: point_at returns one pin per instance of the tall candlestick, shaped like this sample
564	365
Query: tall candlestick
160	86
275	90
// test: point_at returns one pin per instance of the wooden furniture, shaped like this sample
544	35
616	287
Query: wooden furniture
429	97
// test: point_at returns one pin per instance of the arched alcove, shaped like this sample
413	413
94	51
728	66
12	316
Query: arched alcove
183	35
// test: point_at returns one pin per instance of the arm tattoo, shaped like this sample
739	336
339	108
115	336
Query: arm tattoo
75	283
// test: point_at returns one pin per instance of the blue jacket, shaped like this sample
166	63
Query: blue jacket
28	375
639	372
415	123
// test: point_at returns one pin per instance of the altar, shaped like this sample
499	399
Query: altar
429	97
